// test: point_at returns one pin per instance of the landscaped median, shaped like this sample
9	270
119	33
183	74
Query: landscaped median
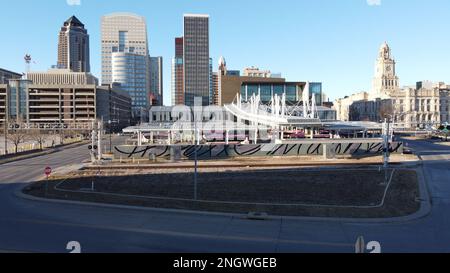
348	193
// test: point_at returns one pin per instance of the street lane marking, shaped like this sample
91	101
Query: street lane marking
185	234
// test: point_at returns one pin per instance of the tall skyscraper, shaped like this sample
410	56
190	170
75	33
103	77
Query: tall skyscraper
177	73
217	78
125	57
211	82
197	72
73	46
156	81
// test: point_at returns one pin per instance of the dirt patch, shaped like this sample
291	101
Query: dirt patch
292	192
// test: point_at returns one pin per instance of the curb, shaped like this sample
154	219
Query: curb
425	208
271	165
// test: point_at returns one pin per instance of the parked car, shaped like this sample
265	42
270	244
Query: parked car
407	151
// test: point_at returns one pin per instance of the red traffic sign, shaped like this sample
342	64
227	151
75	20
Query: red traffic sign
48	171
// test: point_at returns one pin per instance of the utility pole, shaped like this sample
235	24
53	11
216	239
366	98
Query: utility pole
61	133
386	138
93	141
195	159
196	140
110	121
110	135
99	138
5	124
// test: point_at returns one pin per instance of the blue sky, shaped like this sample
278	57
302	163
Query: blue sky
332	41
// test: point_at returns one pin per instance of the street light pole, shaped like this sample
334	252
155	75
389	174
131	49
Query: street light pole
195	157
6	119
110	135
386	138
6	135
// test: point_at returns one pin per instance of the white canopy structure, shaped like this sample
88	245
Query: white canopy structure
276	113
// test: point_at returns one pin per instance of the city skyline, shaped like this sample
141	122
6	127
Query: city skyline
338	53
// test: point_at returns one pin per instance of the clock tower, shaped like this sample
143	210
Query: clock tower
385	81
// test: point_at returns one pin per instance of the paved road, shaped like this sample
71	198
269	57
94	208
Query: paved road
47	227
29	169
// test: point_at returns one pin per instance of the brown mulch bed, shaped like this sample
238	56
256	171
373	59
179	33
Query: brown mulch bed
273	190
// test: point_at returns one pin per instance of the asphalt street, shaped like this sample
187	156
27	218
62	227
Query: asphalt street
35	226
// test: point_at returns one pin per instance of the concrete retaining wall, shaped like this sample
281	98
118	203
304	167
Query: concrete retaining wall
328	150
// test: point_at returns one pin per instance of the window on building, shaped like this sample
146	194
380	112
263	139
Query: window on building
122	40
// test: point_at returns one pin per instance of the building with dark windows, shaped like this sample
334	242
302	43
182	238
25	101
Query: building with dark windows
211	82
268	89
73	46
228	84
113	107
17	101
156	81
315	89
215	87
233	73
132	72
6	75
3	101
231	86
197	72
177	81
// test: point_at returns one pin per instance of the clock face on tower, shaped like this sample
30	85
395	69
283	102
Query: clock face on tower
388	68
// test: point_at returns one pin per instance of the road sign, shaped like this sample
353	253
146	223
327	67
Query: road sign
48	171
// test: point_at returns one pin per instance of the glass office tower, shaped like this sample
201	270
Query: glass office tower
131	72
156	81
315	89
125	57
18	100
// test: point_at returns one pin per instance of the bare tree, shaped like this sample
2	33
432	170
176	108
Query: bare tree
38	136
386	109
17	135
71	133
